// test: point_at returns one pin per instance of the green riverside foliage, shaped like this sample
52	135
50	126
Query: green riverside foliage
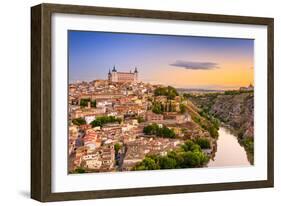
248	143
169	92
213	120
189	155
100	121
211	125
154	129
203	143
79	121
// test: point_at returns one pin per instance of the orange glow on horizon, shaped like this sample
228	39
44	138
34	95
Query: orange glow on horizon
228	76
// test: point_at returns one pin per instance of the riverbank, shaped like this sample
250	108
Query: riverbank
229	152
246	142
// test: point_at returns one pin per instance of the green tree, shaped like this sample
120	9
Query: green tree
154	129
79	170
167	163
94	103
169	92
140	119
157	108
182	108
170	106
79	121
213	131
84	102
100	121
117	147
147	164
203	143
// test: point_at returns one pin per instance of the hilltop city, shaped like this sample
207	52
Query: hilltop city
122	124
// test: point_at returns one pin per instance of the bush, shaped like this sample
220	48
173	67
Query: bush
84	102
157	108
147	164
167	163
79	121
188	156
117	147
203	143
154	129
79	170
169	92
100	121
182	108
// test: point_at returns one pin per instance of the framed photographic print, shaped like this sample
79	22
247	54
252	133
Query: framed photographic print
132	102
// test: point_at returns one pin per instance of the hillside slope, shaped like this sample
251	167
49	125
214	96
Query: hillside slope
235	110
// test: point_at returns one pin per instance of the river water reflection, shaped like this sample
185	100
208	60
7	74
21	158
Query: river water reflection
229	151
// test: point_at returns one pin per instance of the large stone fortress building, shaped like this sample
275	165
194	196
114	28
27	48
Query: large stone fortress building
115	76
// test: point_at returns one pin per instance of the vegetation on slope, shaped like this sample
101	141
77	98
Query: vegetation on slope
233	108
169	92
189	155
206	122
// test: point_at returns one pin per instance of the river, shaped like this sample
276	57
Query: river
229	151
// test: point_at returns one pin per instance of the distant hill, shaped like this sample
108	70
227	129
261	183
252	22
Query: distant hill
198	90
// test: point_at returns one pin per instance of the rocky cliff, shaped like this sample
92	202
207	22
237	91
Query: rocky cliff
236	111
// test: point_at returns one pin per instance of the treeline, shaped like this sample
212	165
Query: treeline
169	92
100	121
154	129
211	94
160	108
189	155
234	92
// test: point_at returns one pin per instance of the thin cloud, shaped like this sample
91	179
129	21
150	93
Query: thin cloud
196	65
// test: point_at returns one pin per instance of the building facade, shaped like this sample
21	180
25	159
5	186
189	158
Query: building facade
115	76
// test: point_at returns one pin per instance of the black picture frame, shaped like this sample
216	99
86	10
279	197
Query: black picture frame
41	116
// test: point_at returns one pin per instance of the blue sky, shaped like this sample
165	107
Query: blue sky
92	54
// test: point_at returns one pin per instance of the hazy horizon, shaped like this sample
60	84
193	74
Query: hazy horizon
180	61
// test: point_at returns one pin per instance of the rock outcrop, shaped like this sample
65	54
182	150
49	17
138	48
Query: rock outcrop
236	111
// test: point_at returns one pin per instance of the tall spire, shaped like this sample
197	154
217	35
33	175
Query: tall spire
114	70
109	72
136	70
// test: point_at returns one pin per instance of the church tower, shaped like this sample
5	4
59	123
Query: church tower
109	75
114	75
136	75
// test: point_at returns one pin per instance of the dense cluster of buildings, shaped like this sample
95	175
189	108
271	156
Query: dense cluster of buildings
118	146
248	88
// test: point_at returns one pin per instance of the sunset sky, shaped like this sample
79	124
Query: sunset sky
180	61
